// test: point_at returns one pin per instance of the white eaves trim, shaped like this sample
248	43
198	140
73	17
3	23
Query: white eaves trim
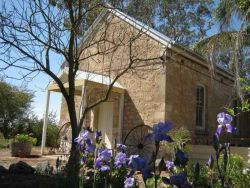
144	28
89	76
166	41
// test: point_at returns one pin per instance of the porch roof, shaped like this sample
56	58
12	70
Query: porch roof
84	78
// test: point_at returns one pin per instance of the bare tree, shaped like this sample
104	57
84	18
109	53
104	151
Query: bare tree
34	32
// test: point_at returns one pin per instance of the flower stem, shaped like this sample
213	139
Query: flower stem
157	145
94	184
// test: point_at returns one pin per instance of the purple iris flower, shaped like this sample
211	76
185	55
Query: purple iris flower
98	135
224	120
210	162
104	168
131	158
129	182
83	136
102	161
105	155
138	163
169	165
181	158
178	179
98	162
121	147
147	172
120	159
90	148
83	159
160	130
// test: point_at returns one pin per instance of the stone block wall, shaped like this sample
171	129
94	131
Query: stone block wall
182	78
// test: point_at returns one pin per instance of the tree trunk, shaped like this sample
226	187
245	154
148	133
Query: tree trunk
73	165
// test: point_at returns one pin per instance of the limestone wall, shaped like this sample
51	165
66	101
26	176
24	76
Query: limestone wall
182	78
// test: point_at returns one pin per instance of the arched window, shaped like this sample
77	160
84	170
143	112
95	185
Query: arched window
200	107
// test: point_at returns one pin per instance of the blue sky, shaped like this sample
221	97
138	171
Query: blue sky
39	83
38	86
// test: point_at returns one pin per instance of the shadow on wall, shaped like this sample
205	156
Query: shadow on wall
131	117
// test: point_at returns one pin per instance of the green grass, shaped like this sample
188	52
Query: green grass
4	143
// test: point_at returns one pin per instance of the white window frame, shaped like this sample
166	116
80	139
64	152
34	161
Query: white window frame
202	128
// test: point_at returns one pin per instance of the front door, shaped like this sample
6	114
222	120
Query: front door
105	122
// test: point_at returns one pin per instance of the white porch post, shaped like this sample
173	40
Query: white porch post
45	122
121	107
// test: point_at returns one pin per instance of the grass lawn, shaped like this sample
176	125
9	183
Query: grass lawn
4	143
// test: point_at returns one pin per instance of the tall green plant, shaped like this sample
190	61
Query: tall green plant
15	103
230	43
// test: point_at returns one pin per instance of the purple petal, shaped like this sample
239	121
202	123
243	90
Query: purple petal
120	159
138	163
98	163
210	162
162	127
224	118
163	137
169	165
219	129
178	179
129	182
146	173
166	180
105	155
78	139
131	158
230	128
104	168
90	148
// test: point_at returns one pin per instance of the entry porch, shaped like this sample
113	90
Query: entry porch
90	87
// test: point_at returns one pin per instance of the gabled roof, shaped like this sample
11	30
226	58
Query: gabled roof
156	35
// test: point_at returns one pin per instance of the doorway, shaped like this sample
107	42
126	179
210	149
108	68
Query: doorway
105	122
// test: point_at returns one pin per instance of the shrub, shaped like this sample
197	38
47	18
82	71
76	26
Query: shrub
4	143
181	137
52	131
236	174
25	138
209	177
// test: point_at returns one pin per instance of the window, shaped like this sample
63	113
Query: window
200	107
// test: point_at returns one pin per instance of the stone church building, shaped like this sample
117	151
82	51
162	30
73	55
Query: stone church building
162	81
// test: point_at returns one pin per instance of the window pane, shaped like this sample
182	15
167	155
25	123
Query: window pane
200	106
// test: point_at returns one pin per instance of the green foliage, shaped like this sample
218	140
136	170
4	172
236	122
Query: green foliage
25	138
181	137
36	128
182	21
204	178
14	105
4	143
235	174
